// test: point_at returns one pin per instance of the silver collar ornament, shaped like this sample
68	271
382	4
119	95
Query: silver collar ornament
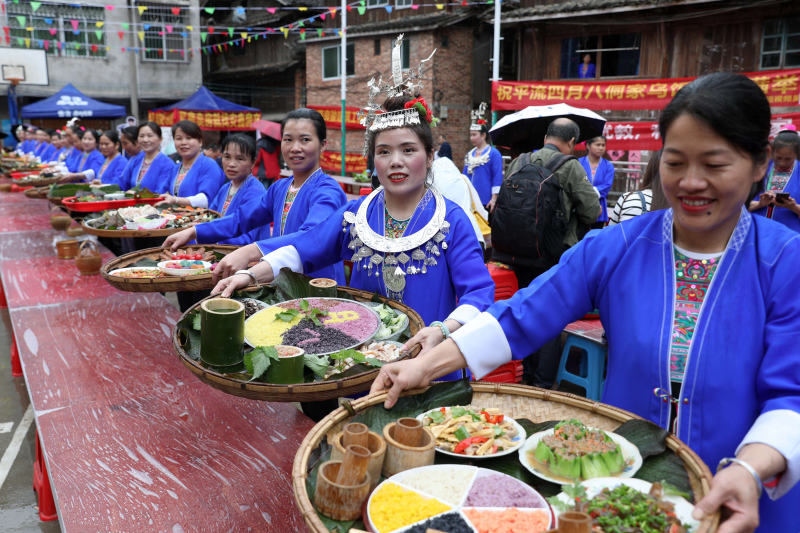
395	258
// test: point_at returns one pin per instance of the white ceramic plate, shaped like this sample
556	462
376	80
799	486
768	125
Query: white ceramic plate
119	271
181	272
683	509
630	453
518	441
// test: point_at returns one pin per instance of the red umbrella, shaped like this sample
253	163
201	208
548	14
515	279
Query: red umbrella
268	128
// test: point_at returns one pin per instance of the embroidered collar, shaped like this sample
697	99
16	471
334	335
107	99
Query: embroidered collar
737	237
473	160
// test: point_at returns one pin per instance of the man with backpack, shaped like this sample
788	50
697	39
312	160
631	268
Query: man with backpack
545	205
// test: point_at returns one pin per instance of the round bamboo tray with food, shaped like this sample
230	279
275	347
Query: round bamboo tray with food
448	497
336	335
146	221
139	271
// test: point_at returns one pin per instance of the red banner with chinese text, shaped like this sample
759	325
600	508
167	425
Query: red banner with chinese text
207	120
645	135
354	163
782	88
333	116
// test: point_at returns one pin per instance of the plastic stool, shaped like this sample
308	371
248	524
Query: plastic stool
510	372
16	365
592	365
505	281
364	191
41	485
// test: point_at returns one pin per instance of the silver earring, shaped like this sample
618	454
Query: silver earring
429	179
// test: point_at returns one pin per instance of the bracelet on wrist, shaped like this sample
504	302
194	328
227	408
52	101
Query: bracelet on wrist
727	461
442	327
247	273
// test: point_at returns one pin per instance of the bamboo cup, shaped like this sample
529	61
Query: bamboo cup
323	287
340	502
409	431
377	449
574	522
354	466
221	331
355	433
400	456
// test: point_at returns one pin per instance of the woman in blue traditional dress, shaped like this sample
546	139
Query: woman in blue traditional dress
89	161
405	239
243	192
296	203
703	338
779	191
197	179
483	165
149	168
115	162
600	172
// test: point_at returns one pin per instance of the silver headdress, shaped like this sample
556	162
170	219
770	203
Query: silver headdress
374	118
477	121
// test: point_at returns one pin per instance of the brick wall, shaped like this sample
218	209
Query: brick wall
448	78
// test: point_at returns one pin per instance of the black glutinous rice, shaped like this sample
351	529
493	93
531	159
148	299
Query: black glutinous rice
304	334
449	522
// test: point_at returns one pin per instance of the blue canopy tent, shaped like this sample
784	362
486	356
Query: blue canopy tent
70	102
208	111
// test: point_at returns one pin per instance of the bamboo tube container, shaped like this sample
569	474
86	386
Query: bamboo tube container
323	287
400	455
354	466
377	448
337	501
355	433
409	431
573	522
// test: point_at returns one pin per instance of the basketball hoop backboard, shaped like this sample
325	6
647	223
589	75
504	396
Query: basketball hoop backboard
28	67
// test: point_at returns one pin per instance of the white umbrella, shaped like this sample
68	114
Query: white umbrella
524	130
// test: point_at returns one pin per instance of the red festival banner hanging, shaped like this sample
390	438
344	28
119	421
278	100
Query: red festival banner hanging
782	88
645	135
354	163
207	120
333	116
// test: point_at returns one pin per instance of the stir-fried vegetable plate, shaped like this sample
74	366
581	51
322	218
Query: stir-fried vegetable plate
473	431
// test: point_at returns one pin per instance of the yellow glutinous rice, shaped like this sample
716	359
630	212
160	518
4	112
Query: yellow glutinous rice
262	329
393	507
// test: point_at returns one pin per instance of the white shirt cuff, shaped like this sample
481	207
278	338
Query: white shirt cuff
496	190
779	429
198	200
88	174
483	344
464	313
597	192
285	257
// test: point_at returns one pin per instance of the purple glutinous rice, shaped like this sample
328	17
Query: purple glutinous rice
361	328
316	339
499	490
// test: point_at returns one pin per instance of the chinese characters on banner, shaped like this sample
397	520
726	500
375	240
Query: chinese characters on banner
782	88
333	116
354	163
645	135
207	120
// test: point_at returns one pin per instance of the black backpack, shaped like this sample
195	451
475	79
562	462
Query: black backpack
529	220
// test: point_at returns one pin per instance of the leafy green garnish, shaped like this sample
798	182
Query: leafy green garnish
374	362
288	315
576	490
347	354
304	305
437	416
318	364
258	361
458	411
461	433
497	432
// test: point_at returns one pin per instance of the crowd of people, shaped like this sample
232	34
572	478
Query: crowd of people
691	279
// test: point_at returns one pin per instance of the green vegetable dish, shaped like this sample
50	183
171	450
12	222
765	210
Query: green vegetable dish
624	509
576	452
393	322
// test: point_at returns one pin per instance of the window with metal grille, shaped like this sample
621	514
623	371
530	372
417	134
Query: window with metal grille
609	56
67	30
164	34
780	43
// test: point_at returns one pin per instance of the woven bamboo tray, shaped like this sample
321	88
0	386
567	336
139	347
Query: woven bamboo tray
197	282
300	392
123	233
38	182
37	192
517	401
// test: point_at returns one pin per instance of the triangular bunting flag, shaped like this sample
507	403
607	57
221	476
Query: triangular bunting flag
302	9
48	21
125	26
47	45
238	10
414	6
35	6
388	9
439	6
99	23
271	10
27	43
320	32
21	20
211	30
176	11
110	8
142	9
303	36
169	28
203	36
74	23
243	35
121	35
230	32
285	32
322	16
333	11
29	28
146	26
141	35
190	28
98	34
94	48
209	10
